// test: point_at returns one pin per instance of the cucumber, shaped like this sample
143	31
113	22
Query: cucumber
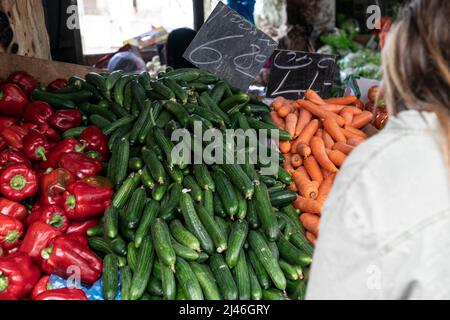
256	291
207	282
262	251
111	222
119	90
225	226
196	192
98	81
219	210
161	89
252	216
179	92
194	224
125	191
139	95
143	270
162	243
126	232
235	102
118	124
267	180
57	102
111	81
100	244
159	191
174	172
125	282
292	254
135	207
165	144
198	86
169	288
121	166
155	166
95	231
110	277
284	176
118	246
236	240
296	290
242	207
223	277
184	252
203	177
260	271
99	121
217	235
226	193
147	179
299	240
208	201
283	135
207	102
171	205
154	287
157	273
184	236
218	92
183	74
290	272
73	133
141	122
273	294
145	80
206	114
135	164
188	281
148	217
163	119
121	261
178	112
241	274
265	212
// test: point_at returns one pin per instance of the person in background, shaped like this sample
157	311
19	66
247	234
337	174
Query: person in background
245	8
177	43
385	227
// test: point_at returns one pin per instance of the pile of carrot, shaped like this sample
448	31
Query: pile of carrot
325	132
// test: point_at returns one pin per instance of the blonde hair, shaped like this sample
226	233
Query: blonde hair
417	63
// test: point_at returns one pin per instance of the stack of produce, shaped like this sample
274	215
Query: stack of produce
324	133
50	192
182	231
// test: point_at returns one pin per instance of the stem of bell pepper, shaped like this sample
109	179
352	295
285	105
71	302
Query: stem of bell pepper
93	155
18	182
46	253
80	149
2	94
40	153
12	236
71	201
3	282
56	221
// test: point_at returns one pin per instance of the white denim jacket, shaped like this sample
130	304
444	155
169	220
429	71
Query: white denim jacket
385	229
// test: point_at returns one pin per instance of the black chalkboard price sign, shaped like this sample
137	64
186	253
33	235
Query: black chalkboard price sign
230	47
294	72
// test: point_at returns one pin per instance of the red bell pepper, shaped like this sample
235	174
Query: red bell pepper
2	254
57	84
84	202
96	143
98	181
51	215
36	146
38	237
37	112
81	228
53	184
48	132
18	182
3	144
83	239
80	165
64	253
11	230
62	294
63	120
12	100
24	80
6	122
12	209
14	134
64	146
18	275
42	286
10	157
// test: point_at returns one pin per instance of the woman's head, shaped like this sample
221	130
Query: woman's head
417	62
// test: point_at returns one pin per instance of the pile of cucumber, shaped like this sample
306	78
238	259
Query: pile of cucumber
194	232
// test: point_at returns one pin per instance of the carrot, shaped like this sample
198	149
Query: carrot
293	187
348	117
291	123
318	150
320	113
350	134
359	104
304	150
326	173
325	186
285	146
287	163
362	119
296	161
356	131
337	157
336	108
313	169
311	238
278	102
303	119
334	130
309	131
312	96
278	120
319	133
316	183
308	205
352	110
344	148
329	142
344	100
284	110
311	222
304	184
355	141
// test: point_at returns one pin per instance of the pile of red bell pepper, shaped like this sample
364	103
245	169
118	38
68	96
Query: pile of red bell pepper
51	193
